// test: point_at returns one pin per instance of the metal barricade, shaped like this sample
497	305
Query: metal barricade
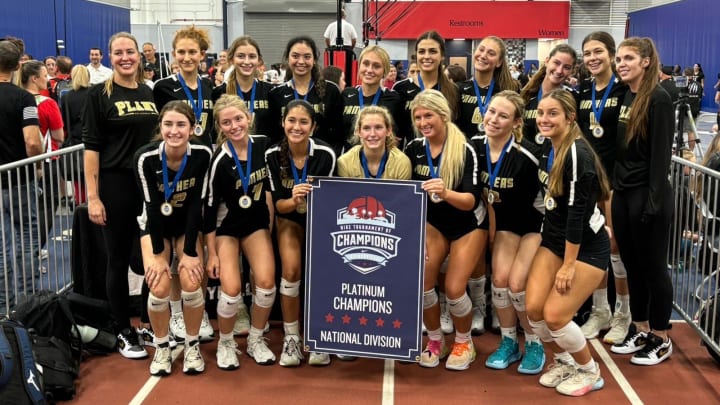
39	195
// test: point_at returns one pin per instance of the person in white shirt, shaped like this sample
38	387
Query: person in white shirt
98	72
349	35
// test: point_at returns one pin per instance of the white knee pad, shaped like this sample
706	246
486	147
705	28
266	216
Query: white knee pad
500	297
618	266
540	328
289	289
461	306
430	299
193	299
518	300
264	298
569	337
227	306
155	304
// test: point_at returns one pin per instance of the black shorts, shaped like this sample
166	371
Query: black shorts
595	252
520	224
453	231
240	223
172	229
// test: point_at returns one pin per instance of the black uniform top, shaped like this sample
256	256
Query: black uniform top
516	187
117	126
226	185
262	119
186	199
442	212
575	217
17	111
321	162
604	145
388	99
530	130
407	89
328	111
169	89
646	162
469	114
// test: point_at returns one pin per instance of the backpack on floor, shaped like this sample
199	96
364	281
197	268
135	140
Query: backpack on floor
60	369
47	314
20	380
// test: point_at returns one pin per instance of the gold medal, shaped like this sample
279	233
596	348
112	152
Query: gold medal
549	203
245	202
198	131
166	209
301	208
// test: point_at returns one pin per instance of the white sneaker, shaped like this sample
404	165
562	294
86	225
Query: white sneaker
226	355
291	353
556	373
161	364
267	327
478	321
177	327
258	349
318	359
193	362
619	327
128	344
581	383
446	322
207	334
599	320
242	322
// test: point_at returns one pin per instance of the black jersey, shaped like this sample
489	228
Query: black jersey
605	143
169	89
388	99
226	185
469	114
328	109
262	120
321	162
530	130
186	199
574	216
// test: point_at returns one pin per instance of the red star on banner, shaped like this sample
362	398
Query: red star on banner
379	322
346	319
363	321
397	324
329	318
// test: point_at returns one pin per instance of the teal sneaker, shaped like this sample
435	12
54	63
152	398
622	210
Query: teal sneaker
508	352
534	359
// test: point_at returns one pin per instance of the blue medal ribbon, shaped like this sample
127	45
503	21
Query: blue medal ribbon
598	110
539	95
361	98
381	168
297	96
493	173
434	172
197	106
303	179
251	107
244	175
551	158
483	106
168	188
422	85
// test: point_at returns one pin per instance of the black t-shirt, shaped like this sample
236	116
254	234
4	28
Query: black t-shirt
388	99
262	120
672	90
17	111
72	107
169	89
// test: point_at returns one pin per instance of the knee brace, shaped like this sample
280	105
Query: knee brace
193	299
430	299
155	304
289	289
518	300
500	297
618	266
227	306
264	298
540	328
569	337
461	306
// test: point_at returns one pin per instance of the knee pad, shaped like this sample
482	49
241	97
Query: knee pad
155	304
500	297
569	337
618	266
193	299
461	306
540	328
430	299
518	300
264	298
289	289
227	306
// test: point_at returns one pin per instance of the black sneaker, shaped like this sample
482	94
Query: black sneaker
654	352
147	337
634	341
129	345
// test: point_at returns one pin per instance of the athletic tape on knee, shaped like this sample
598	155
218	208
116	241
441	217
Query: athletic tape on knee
227	306
264	298
461	306
518	300
430	299
155	304
193	299
289	289
540	328
569	337
618	266
500	297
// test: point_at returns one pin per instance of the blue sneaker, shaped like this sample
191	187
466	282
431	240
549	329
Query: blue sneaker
534	359
508	352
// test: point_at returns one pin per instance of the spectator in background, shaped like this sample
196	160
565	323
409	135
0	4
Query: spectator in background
695	93
677	70
148	74
174	67
150	57
73	104
349	35
698	74
455	73
523	77
336	75
51	65
390	78
413	72
61	82
98	72
401	74
667	83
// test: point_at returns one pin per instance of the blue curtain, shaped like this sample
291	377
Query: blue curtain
90	25
33	21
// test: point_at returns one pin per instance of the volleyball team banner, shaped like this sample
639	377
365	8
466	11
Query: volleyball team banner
365	254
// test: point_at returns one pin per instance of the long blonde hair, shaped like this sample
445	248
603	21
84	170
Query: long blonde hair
227	101
387	118
139	74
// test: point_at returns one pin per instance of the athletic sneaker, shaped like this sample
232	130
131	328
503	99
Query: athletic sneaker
581	382
461	356
345	357
128	345
599	320
147	337
508	352
258	349
291	355
193	362
533	360
478	321
177	327
242	322
556	374
446	322
618	328
161	364
634	341
267	327
207	333
433	353
226	355
318	359
654	352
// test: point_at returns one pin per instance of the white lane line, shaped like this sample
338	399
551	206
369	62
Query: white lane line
624	384
153	380
388	394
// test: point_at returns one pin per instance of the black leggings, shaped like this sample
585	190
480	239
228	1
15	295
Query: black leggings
121	197
643	249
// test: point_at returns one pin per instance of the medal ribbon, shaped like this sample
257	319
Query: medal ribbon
244	175
303	179
434	172
197	106
422	85
381	168
297	96
169	188
483	106
551	158
251	107
598	110
361	98
493	173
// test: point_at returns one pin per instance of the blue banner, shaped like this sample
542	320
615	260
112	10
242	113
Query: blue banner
365	259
